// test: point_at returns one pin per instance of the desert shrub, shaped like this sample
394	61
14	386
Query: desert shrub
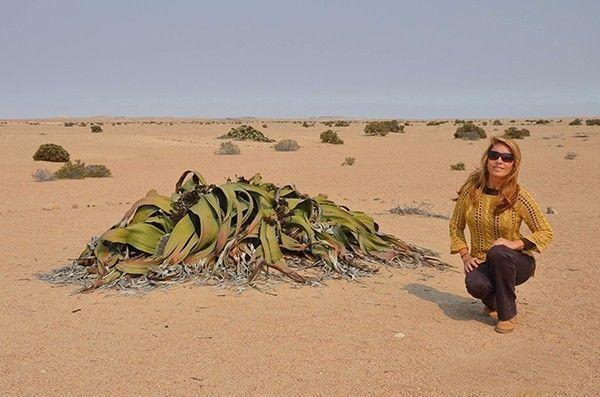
43	175
246	133
306	124
95	128
542	121
513	121
436	122
515	133
470	132
51	152
591	122
97	171
458	121
570	156
460	166
575	122
228	148
71	170
332	137
286	145
382	128
484	123
82	124
328	123
341	123
497	122
349	161
69	124
264	126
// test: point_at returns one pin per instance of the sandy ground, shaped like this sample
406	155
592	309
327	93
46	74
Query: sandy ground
336	339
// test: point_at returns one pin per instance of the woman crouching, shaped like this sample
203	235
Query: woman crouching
493	205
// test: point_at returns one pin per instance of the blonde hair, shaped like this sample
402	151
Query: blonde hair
509	190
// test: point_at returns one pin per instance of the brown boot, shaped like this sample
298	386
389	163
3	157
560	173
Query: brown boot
504	327
490	312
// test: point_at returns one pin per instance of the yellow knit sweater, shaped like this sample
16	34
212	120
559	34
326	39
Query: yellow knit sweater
485	227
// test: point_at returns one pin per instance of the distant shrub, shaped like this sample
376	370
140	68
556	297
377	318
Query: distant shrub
576	122
570	156
460	166
513	121
228	148
71	170
51	152
97	171
69	124
458	121
341	123
542	121
43	175
382	128
515	133
246	133
470	132
436	122
332	137
349	161
328	123
497	122
484	123
286	145
306	124
95	128
264	126
82	124
591	122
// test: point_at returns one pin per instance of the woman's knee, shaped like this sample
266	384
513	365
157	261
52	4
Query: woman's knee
499	253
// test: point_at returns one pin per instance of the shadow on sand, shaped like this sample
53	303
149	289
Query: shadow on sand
454	306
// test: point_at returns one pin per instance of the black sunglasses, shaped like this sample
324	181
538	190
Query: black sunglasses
506	157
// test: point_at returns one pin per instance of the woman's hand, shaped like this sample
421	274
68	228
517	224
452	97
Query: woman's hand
470	263
512	244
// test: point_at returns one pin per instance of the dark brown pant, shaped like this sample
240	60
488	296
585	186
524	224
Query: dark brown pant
494	280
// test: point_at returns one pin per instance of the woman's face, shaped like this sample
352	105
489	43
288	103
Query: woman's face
498	168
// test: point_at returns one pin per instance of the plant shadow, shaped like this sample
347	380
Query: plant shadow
455	307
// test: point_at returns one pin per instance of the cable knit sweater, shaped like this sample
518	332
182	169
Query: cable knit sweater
485	227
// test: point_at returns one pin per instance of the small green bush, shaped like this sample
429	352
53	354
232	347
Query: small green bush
382	128
71	170
460	166
341	123
497	122
69	124
436	122
51	152
286	145
332	137
229	148
246	133
576	122
97	171
349	161
458	121
515	133
591	122
542	121
470	132
95	128
306	124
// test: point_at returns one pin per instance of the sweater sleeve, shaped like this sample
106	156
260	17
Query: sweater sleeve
458	223
541	231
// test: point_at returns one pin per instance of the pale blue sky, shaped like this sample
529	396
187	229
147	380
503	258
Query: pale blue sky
420	59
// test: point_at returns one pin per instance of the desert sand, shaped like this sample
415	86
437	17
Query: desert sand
399	332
